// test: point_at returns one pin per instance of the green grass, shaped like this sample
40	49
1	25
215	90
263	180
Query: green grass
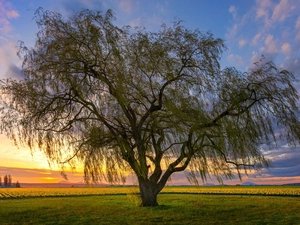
173	209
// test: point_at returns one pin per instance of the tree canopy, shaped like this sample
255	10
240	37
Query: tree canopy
155	103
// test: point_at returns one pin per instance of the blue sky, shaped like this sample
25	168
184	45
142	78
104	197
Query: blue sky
249	28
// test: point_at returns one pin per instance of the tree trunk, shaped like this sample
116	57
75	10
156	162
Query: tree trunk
149	191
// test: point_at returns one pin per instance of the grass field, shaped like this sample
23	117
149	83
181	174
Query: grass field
178	205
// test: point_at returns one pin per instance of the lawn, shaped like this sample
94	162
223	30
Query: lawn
175	208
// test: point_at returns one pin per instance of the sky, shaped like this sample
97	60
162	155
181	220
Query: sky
249	28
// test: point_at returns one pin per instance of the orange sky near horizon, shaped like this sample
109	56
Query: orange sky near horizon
31	167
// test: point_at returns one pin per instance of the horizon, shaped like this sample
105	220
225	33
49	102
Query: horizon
250	29
36	176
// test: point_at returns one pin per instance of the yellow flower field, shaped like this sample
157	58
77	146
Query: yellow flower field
11	193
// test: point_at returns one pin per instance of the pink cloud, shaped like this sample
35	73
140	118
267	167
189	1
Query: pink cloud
6	13
286	48
263	9
12	14
256	39
282	10
242	42
127	6
273	13
270	44
8	51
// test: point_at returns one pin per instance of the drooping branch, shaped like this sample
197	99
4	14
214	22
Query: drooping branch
238	165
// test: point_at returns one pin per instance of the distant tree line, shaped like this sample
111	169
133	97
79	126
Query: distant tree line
7	182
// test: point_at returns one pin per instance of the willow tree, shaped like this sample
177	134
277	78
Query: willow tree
153	103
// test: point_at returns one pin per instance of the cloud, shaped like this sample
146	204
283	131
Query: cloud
237	22
235	60
285	162
293	65
242	42
270	44
14	72
256	39
12	14
150	23
6	13
271	13
281	11
233	11
8	51
232	31
137	22
263	10
297	26
9	61
297	29
286	48
255	57
276	37
128	6
285	168
29	175
273	22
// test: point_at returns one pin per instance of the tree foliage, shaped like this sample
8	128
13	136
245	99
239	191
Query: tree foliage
9	180
155	103
18	185
5	181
